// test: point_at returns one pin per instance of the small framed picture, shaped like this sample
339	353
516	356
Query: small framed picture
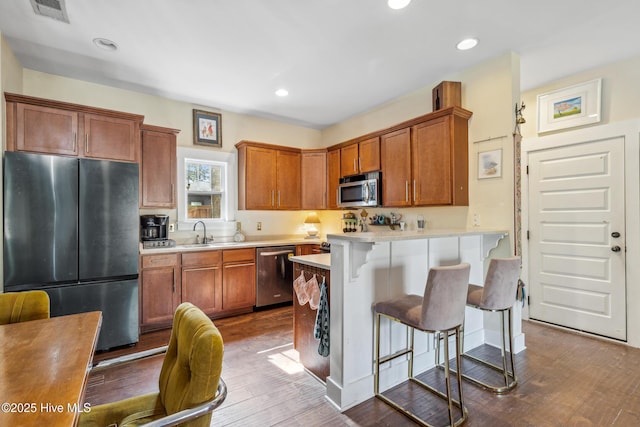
490	164
207	128
572	106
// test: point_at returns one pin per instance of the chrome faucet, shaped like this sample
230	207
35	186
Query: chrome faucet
204	239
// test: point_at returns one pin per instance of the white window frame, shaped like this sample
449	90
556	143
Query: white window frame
227	208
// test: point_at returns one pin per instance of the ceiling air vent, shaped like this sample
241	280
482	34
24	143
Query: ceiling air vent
55	9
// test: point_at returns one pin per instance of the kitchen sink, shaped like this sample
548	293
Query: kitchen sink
208	245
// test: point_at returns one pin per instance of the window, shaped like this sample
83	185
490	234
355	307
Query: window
205	189
205	185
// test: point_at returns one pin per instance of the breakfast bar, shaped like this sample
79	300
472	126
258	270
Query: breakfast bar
372	266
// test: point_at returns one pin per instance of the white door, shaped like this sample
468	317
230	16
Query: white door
577	237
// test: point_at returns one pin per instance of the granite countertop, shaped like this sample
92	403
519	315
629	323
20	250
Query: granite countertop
322	261
388	236
228	245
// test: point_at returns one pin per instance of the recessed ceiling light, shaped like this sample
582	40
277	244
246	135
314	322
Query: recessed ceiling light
105	44
467	44
398	4
282	92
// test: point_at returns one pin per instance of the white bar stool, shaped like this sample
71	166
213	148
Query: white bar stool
440	310
498	295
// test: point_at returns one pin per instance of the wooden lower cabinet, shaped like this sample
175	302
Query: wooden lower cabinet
219	282
159	290
202	281
239	279
313	249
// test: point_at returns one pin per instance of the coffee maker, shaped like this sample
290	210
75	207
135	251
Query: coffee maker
154	232
153	227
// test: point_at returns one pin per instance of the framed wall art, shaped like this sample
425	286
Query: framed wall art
572	106
490	164
207	128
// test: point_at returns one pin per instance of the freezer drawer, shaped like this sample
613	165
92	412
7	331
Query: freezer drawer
118	302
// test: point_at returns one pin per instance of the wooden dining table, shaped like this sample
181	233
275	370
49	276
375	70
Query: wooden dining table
44	366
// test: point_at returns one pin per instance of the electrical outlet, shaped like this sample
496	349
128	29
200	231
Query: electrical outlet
172	228
259	225
476	220
238	226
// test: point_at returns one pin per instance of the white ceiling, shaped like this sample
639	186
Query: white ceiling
337	58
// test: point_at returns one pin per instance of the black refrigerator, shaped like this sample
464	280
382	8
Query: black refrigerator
71	228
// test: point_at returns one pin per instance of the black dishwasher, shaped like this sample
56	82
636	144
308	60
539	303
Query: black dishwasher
274	281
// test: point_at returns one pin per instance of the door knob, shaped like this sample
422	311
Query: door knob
615	248
615	234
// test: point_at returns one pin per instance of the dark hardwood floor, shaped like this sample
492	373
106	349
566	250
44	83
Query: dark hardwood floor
565	379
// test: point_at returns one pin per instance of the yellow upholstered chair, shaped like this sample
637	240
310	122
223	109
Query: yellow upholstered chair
190	384
23	306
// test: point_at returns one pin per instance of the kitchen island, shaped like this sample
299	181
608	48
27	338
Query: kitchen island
372	266
304	316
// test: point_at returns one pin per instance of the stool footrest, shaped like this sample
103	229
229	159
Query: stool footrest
394	355
414	417
510	383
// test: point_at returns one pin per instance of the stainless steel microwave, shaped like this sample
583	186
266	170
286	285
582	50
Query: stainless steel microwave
360	190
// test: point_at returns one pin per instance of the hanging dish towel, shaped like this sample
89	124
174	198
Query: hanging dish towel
313	289
299	285
321	331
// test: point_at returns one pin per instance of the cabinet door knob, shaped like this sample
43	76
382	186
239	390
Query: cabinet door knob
615	248
615	234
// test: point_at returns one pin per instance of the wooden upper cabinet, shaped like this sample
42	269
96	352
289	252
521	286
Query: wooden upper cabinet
440	158
288	186
314	179
256	178
432	163
426	162
268	176
349	160
53	127
45	130
360	157
158	167
395	157
110	138
369	155
333	178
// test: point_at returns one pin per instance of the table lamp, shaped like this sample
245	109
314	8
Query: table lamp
312	219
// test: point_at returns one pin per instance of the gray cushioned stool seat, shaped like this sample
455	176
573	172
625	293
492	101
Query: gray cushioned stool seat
441	309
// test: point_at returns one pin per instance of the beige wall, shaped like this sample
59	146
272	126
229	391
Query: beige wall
174	114
490	90
166	112
620	93
619	110
10	81
491	200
